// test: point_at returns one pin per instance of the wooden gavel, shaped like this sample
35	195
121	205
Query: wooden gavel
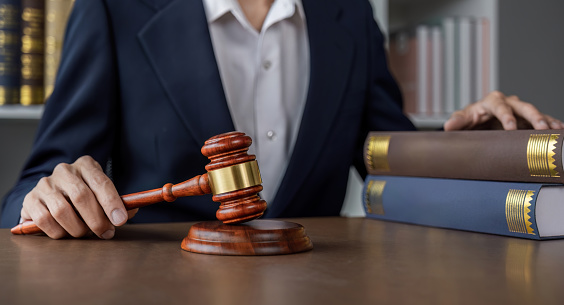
232	177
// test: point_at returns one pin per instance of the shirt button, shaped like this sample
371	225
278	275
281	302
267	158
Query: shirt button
271	135
266	64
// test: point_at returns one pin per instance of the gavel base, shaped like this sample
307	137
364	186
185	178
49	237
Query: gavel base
256	237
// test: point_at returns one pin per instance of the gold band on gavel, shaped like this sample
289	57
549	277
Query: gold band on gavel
234	177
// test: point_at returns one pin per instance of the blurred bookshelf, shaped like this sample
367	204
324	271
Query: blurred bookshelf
523	50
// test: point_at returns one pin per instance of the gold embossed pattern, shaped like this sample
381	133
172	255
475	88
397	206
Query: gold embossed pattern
517	209
373	197
540	155
377	153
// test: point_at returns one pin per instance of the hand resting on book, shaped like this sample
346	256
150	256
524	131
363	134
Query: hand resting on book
497	111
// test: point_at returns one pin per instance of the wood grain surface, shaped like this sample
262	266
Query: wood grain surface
355	261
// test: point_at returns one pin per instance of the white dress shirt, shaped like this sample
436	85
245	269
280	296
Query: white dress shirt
265	77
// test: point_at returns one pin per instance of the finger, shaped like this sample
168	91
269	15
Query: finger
64	214
104	190
468	118
59	208
77	192
496	104
35	210
554	123
528	112
458	121
24	215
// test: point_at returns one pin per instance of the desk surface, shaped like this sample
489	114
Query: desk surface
354	261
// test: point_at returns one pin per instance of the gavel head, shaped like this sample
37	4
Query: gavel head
234	177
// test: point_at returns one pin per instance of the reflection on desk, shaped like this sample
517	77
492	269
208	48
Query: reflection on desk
354	261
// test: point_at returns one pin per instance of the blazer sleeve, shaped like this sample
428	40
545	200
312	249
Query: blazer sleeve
384	105
79	117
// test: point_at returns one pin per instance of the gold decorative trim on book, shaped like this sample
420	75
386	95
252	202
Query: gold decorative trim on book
540	155
517	209
373	197
377	153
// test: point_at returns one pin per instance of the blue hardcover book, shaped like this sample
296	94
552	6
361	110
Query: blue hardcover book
527	210
10	42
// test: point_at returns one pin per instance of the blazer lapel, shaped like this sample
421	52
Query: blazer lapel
331	52
179	48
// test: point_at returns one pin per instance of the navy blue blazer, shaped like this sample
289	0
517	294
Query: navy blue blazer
139	86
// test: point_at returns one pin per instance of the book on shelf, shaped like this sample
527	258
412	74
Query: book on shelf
10	12
402	54
56	16
32	52
449	65
424	66
31	38
466	61
526	210
500	155
482	82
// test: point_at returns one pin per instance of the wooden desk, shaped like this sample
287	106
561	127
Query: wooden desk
354	261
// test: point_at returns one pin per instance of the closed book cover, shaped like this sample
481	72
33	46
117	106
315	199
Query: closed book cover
526	210
500	155
33	52
10	12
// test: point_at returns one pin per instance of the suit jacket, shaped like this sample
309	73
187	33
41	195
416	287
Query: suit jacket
139	89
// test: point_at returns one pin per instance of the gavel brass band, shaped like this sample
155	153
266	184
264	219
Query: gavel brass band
234	177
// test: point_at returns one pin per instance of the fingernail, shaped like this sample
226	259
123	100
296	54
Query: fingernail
118	217
108	234
510	124
543	124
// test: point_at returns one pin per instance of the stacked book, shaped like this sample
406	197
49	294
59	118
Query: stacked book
495	181
442	66
31	37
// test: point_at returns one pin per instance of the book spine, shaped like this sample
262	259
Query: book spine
518	155
437	70
466	62
56	16
10	12
33	52
480	206
423	69
403	65
450	65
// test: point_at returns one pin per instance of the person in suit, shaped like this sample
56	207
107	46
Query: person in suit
143	83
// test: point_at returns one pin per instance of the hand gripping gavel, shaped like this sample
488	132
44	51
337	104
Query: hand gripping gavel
232	177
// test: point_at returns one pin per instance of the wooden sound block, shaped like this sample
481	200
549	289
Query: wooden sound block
257	237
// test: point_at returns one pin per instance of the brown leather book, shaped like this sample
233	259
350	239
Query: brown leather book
519	155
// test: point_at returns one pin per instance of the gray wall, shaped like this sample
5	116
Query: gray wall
531	52
16	138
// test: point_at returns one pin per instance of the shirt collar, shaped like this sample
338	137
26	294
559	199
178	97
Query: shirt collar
217	8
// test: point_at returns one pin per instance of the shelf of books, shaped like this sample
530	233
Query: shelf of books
31	35
446	54
440	53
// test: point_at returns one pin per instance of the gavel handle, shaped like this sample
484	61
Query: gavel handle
196	186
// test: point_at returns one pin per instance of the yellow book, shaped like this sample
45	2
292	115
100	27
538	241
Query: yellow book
56	16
